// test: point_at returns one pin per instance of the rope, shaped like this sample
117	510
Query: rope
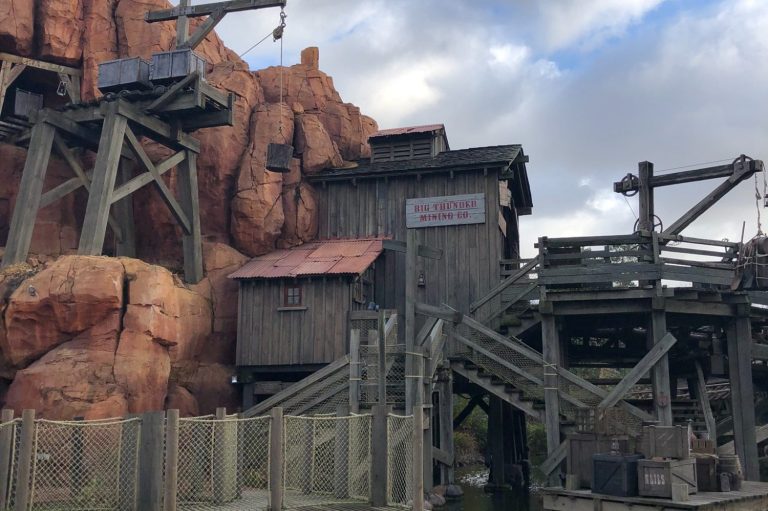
281	28
757	207
255	45
693	165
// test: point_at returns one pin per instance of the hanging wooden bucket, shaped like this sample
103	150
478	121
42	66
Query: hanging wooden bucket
279	157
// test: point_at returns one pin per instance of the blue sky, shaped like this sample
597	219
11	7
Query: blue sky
589	87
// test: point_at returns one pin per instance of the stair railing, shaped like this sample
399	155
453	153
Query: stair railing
519	275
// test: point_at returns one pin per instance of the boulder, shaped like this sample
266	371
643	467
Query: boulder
142	368
59	31
318	152
182	400
70	296
299	208
17	31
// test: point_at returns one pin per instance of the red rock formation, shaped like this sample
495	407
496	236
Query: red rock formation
102	337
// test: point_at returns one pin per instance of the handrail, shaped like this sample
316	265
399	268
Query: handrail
525	270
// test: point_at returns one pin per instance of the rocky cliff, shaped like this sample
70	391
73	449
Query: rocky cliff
100	336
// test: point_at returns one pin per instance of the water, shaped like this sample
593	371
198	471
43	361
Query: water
472	481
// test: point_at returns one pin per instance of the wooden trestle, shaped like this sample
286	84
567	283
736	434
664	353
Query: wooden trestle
111	128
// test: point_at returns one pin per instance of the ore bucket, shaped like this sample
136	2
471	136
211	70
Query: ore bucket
279	157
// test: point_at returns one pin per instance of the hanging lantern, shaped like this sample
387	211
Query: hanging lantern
279	157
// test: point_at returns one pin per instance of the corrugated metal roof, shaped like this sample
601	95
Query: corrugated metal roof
427	128
326	257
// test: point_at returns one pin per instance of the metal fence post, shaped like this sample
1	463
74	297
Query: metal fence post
418	458
26	451
379	465
6	447
171	460
341	453
276	459
151	452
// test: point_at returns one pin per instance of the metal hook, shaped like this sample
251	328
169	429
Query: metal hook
61	90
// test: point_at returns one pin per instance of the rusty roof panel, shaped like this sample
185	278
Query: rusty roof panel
408	130
326	257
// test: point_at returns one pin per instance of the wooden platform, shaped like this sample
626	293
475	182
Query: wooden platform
752	497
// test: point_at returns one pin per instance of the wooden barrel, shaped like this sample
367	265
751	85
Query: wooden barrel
279	157
729	464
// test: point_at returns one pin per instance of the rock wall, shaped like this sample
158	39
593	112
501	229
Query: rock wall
98	337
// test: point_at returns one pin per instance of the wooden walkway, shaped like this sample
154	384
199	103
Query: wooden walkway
752	497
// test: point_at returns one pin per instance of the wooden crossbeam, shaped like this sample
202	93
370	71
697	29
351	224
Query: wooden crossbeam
553	461
706	408
144	179
195	11
170	201
158	129
643	366
47	66
203	30
172	92
505	284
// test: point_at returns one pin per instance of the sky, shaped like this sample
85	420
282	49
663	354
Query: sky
588	87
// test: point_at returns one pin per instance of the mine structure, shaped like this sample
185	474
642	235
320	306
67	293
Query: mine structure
626	347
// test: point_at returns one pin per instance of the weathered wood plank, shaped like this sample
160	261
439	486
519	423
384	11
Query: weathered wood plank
192	241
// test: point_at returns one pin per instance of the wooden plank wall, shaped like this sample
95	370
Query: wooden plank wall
376	207
267	336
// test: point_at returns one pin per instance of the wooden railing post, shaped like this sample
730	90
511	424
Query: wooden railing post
379	465
26	451
276	459
151	453
224	466
171	460
354	371
418	458
382	349
341	454
6	447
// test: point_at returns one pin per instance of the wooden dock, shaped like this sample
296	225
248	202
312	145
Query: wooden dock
752	497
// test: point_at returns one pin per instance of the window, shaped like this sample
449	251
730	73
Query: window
292	296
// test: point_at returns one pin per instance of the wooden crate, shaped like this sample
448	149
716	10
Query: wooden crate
24	103
615	474
666	442
171	66
581	448
706	473
655	478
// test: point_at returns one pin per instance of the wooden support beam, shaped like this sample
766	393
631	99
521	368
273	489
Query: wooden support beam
29	195
173	91
411	291
157	129
445	422
195	11
643	366
47	66
706	408
444	313
125	244
379	451
204	29
505	284
552	360
553	461
739	337
742	170
657	330
467	410
103	183
176	210
190	204
144	179
496	476
73	87
182	24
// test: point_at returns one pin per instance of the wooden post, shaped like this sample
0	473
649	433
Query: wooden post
382	348
742	393
125	246
701	394
354	371
341	453
551	355
6	447
224	464
445	416
26	452
151	461
379	472
103	183
411	283
418	459
657	329
276	459
30	192
182	25
171	460
645	196
496	477
130	438
189	200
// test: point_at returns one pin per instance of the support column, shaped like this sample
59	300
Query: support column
123	211
103	183
410	319
497	475
189	200
445	420
657	329
30	192
551	354
742	393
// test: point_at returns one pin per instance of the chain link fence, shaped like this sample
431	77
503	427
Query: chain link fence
326	460
400	460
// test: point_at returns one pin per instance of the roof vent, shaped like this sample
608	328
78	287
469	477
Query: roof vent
411	143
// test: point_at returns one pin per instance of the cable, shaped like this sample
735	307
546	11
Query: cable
693	165
255	45
630	207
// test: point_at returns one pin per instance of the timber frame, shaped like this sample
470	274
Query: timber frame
112	127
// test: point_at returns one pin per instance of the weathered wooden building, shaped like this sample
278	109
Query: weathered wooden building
465	202
294	305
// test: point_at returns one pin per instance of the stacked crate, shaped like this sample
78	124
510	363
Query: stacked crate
668	471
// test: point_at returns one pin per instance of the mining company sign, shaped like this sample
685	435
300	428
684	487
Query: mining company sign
448	210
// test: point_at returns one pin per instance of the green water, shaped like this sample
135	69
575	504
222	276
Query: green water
472	481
